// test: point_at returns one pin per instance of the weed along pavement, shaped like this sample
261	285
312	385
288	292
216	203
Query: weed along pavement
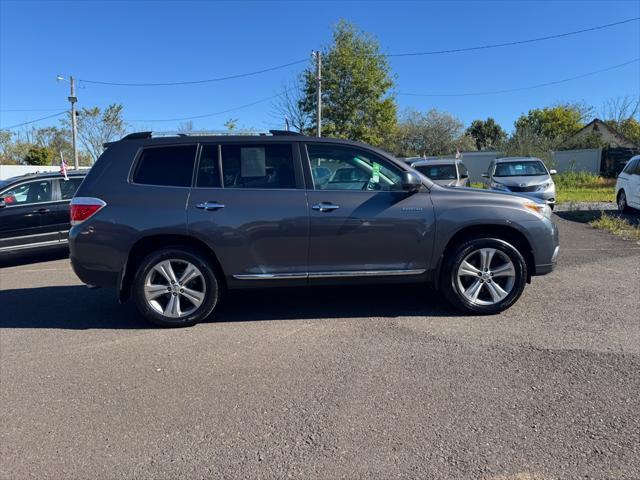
376	382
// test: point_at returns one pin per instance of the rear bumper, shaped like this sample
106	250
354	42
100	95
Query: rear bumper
93	258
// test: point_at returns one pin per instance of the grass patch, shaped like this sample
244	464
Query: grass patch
618	226
477	185
584	187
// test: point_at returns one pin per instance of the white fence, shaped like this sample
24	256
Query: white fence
8	171
587	160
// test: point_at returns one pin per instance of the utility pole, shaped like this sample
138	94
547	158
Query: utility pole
74	127
318	57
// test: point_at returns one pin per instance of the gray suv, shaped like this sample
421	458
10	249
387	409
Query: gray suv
172	222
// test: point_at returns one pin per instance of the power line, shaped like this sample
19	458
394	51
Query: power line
34	121
519	89
194	82
519	42
206	115
29	110
408	54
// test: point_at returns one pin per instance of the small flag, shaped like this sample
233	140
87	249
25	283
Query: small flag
63	167
458	155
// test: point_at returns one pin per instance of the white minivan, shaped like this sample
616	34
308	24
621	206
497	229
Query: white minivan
628	186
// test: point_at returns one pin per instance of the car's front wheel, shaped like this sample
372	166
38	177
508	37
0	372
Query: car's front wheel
175	287
484	276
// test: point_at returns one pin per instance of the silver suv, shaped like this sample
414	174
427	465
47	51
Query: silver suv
524	175
172	222
447	172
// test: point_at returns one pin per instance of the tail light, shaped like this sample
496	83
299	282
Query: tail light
82	208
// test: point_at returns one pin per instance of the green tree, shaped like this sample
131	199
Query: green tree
38	156
628	127
356	84
553	123
231	124
487	134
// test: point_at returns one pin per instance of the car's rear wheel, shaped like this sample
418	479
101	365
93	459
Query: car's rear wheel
175	287
623	206
484	276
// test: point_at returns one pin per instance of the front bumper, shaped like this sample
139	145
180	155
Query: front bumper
546	247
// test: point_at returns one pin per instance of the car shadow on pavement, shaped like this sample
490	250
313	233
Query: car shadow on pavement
78	308
28	258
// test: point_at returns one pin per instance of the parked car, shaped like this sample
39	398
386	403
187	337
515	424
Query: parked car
34	210
174	221
524	175
448	172
628	186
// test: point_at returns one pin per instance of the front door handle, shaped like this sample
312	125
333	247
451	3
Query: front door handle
325	207
208	206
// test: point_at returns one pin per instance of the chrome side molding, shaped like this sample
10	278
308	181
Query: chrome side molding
340	274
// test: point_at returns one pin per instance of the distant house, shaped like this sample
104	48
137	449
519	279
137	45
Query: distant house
615	148
605	133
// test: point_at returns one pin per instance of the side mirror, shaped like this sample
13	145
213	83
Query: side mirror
411	181
2	202
464	175
485	175
552	171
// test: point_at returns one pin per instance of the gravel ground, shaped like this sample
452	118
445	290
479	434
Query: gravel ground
377	382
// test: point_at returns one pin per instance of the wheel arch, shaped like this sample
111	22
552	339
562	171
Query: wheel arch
506	233
145	245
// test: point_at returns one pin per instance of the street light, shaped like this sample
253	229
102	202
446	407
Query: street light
74	127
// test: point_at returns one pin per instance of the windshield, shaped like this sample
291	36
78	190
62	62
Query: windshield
520	169
438	172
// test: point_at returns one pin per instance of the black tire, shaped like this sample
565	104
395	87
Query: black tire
208	279
621	200
450	286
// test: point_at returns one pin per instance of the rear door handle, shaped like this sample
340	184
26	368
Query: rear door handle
41	210
325	207
208	206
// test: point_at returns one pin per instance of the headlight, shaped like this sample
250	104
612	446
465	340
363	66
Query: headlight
541	209
499	186
544	186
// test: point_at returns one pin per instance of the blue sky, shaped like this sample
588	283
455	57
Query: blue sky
164	41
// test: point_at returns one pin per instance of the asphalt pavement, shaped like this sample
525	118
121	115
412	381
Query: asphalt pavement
378	382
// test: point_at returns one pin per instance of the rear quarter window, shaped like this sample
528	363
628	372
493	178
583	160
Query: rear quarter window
170	166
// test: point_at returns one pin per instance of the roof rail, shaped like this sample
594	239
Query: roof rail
207	133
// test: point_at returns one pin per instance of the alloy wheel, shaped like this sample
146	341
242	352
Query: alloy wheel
622	202
174	288
486	276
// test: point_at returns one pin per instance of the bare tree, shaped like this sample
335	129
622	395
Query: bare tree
97	127
185	127
619	109
431	133
288	107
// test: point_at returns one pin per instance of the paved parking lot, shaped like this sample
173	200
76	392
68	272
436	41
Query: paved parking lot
381	382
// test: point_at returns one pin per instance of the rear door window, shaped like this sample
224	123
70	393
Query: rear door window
258	166
68	187
170	166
